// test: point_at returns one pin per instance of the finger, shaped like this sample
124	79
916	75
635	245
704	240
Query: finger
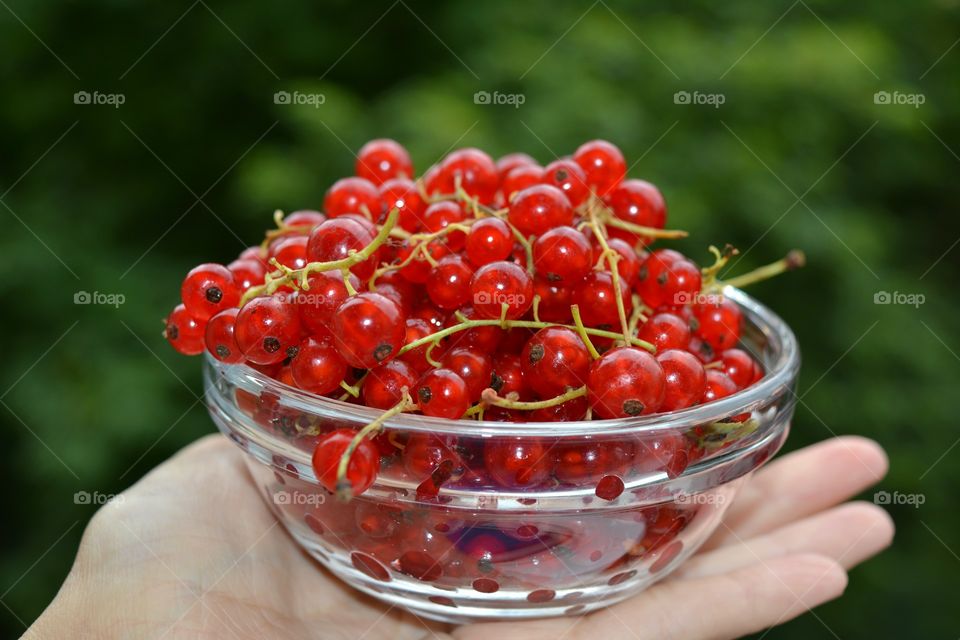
801	484
726	606
848	534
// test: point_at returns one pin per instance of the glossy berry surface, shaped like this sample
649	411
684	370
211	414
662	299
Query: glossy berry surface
209	289
538	209
369	329
353	195
603	165
489	240
219	337
554	361
562	255
184	332
441	393
625	382
318	367
268	329
383	159
362	469
500	285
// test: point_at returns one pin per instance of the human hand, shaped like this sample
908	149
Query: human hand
192	551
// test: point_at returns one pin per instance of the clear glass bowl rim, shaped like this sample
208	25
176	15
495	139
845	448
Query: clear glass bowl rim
781	373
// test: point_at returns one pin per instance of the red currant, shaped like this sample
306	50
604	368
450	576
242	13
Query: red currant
664	282
416	329
440	215
370	329
209	289
184	332
511	161
383	387
684	379
473	367
291	252
448	284
247	273
718	323
501	283
665	331
562	255
489	240
475	171
640	203
567	176
353	195
383	159
362	469
443	394
318	303
508	375
402	194
268	329
555	360
519	179
318	367
336	238
595	297
537	209
603	165
625	382
219	337
517	462
739	366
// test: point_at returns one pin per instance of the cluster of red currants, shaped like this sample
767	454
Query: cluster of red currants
496	290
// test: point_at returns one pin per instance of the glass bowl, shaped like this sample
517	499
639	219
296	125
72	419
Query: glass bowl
472	520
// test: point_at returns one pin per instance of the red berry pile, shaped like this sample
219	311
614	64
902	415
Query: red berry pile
496	290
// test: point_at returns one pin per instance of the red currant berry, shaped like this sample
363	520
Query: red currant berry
473	367
511	161
555	360
537	209
567	176
442	214
517	462
448	284
184	332
383	159
318	303
520	178
219	337
500	284
508	375
318	367
485	339
588	461
209	289
625	382
628	266
718	323
291	252
666	331
402	194
254	253
667	283
415	330
569	411
304	220
268	329
739	366
353	195
684	379
668	452
383	387
443	394
362	469
489	240
369	328
562	255
425	452
555	301
718	385
603	165
247	273
335	239
475	171
595	297
640	203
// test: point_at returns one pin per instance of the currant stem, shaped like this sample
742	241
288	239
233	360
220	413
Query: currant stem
289	276
344	488
793	260
521	324
612	258
490	397
350	389
582	330
721	258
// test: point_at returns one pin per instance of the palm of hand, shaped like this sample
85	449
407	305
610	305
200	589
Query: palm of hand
193	551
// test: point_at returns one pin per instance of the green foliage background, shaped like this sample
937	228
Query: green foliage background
191	166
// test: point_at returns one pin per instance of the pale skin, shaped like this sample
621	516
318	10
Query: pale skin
193	552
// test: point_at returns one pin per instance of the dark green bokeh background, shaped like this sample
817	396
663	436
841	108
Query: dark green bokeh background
106	199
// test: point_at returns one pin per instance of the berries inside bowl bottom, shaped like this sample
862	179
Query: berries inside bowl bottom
474	520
